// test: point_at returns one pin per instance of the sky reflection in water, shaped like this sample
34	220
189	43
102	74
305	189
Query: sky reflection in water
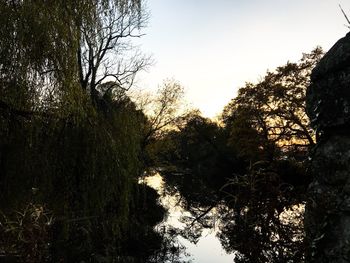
208	249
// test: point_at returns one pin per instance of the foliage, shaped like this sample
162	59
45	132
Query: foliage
275	107
248	172
58	49
68	130
201	159
85	171
105	51
163	110
254	222
26	234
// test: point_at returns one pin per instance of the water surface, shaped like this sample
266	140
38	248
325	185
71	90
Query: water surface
208	248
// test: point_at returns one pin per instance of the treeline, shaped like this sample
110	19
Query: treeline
74	146
71	140
247	173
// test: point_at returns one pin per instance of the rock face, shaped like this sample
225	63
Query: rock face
327	217
328	97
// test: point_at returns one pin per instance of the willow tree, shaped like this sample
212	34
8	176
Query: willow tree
104	51
57	47
56	59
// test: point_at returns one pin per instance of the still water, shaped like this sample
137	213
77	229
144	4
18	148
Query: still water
208	249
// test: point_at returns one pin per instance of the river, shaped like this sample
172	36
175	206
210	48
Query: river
208	248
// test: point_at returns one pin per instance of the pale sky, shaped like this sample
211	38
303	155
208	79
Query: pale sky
212	47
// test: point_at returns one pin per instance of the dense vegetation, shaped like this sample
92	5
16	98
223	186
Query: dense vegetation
71	141
249	171
74	146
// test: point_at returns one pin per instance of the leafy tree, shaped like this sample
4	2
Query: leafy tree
197	163
275	107
267	124
59	49
163	110
248	174
247	141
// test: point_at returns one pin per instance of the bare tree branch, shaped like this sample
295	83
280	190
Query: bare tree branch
105	48
346	17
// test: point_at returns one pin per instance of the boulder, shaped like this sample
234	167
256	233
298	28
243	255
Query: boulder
328	96
327	215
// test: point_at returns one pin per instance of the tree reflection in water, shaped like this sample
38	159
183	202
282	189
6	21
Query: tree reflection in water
242	173
253	225
195	242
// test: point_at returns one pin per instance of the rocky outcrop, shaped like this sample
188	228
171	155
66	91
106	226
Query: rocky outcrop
327	218
328	97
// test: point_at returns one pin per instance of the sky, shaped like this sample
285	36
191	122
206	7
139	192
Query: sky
212	47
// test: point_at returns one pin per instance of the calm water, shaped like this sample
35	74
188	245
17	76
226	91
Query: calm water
208	249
